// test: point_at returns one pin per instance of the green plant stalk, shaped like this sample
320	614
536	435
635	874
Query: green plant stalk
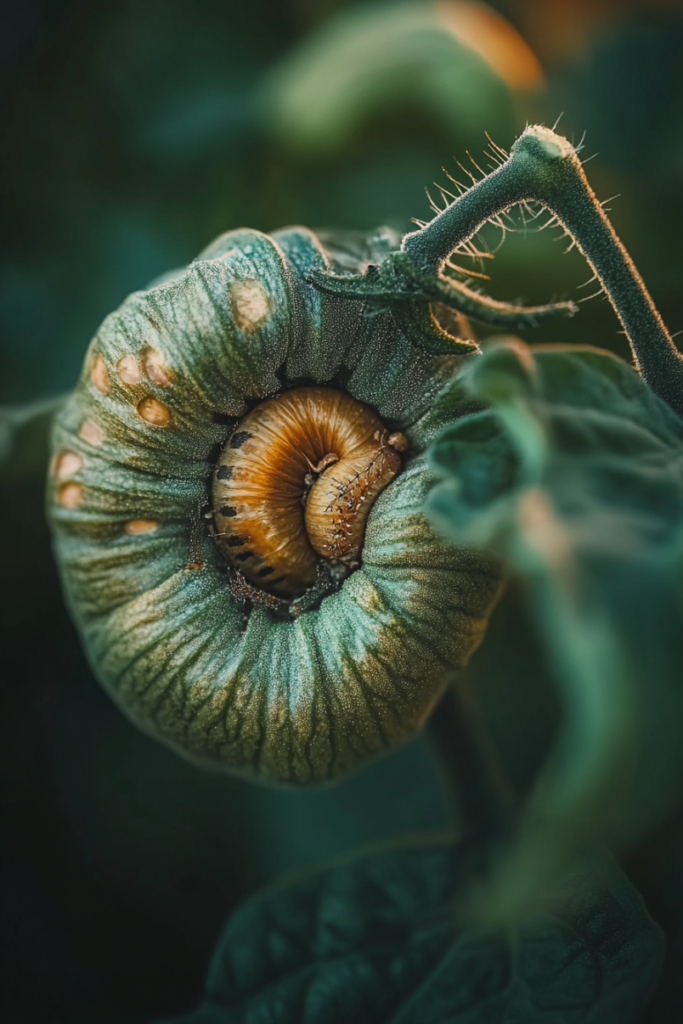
473	775
544	167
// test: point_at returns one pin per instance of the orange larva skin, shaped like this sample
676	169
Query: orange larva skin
340	500
280	504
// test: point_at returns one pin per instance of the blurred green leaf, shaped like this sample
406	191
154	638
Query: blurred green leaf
458	60
378	938
575	477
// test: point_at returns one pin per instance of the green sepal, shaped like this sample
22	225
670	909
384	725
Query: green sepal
398	283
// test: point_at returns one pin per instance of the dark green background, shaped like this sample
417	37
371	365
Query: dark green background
132	135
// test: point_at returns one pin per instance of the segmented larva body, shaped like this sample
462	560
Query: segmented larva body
295	483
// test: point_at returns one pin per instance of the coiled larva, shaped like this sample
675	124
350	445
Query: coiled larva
295	482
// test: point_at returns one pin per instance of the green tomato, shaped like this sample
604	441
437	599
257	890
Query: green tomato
297	692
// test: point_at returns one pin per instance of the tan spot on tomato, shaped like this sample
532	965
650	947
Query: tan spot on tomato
68	464
153	364
70	495
137	526
250	304
154	412
99	374
128	370
91	433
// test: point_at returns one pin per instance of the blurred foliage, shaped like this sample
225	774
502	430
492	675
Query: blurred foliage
377	938
138	131
135	132
575	475
456	61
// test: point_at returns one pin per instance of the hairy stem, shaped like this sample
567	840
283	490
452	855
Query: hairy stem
543	167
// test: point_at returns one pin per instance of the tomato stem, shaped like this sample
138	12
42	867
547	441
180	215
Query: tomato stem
482	795
544	167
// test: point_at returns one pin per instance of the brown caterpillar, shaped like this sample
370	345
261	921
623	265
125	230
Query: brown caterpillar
295	482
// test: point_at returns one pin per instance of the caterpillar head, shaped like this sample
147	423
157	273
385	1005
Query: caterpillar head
236	496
